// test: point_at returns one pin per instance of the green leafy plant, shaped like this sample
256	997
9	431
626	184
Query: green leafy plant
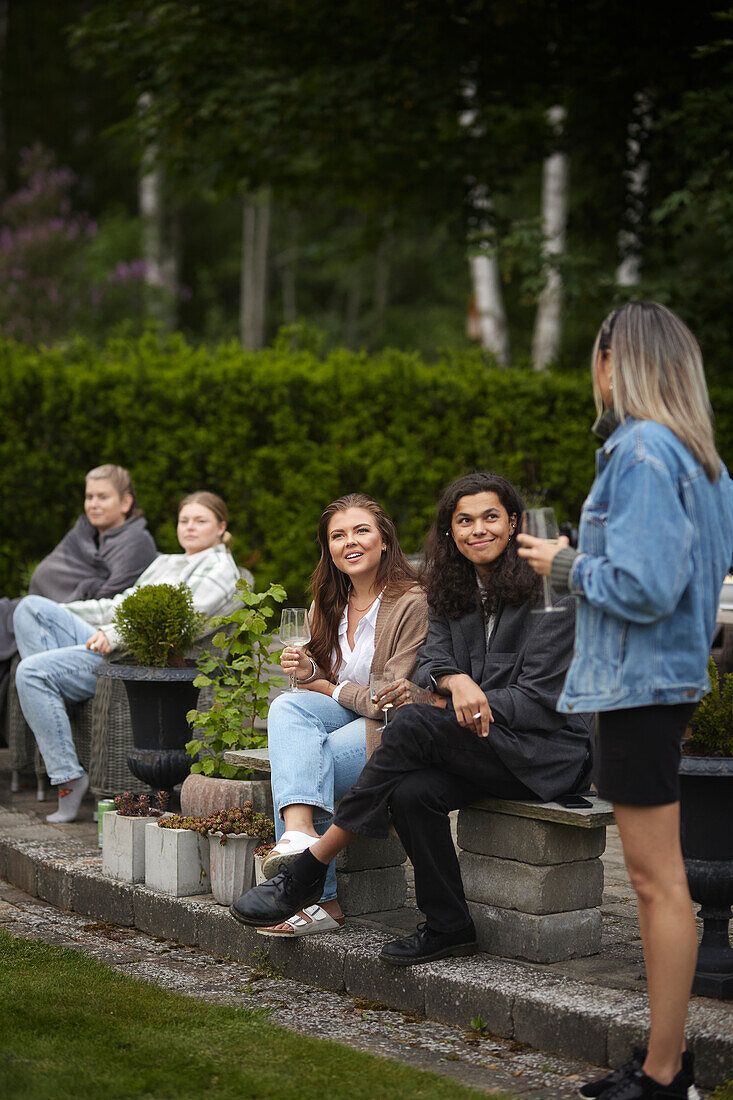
711	726
241	820
240	675
158	623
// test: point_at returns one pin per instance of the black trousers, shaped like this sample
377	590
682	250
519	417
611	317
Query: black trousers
426	766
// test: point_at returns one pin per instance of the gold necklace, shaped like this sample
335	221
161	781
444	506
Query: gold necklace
361	610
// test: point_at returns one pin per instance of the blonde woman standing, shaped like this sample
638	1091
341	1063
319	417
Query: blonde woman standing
655	542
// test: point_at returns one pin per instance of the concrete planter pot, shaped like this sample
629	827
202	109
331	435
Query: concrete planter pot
259	877
202	795
176	861
706	795
231	865
123	846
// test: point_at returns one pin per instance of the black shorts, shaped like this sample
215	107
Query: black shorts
639	754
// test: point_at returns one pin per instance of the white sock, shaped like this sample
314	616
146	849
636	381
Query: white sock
70	796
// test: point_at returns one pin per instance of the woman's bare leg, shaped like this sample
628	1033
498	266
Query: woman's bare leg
650	836
299	819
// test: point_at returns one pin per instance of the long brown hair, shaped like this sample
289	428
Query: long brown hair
330	587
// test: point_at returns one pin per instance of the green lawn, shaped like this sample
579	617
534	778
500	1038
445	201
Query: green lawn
71	1027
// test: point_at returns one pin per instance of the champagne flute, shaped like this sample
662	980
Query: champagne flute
542	524
377	684
294	631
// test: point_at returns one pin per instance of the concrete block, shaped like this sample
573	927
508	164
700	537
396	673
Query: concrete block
527	839
548	938
5	848
176	861
554	888
368	977
623	1036
713	1060
21	869
575	1032
102	898
123	846
367	853
372	891
457	991
316	960
164	916
53	880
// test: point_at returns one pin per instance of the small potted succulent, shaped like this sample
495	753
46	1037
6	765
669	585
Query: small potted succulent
123	835
157	625
706	796
241	831
232	835
240	672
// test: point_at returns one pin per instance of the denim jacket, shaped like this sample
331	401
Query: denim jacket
655	543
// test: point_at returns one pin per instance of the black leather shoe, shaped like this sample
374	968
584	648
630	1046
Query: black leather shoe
274	901
424	946
685	1078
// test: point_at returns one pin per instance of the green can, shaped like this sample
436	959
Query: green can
103	806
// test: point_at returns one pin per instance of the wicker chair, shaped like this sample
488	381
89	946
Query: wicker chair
100	727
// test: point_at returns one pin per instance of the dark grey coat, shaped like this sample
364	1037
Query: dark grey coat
522	672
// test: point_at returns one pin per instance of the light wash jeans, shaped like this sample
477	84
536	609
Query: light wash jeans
56	668
317	752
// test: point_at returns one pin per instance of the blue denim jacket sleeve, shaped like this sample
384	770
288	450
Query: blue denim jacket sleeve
647	562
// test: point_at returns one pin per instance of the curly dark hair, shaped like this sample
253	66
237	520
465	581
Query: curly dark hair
330	587
450	579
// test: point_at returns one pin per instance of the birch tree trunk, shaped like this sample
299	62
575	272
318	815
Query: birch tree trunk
160	239
253	285
489	312
555	175
628	272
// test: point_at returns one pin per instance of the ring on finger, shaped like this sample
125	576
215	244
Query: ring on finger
477	715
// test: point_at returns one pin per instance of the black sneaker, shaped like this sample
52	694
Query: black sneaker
593	1089
424	945
639	1086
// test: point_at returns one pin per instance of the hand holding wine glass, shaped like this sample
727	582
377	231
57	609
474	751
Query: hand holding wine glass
294	632
541	523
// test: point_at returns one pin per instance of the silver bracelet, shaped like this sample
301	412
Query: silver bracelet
314	670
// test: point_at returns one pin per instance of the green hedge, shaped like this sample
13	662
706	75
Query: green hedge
279	434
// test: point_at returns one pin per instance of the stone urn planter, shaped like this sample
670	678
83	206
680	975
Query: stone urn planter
202	795
231	865
176	861
706	801
159	699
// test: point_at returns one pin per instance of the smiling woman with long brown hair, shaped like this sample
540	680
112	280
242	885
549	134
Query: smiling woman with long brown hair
368	615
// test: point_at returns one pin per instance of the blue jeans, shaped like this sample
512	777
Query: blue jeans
55	668
317	752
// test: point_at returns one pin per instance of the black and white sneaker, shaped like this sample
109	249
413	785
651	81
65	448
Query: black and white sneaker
607	1087
639	1086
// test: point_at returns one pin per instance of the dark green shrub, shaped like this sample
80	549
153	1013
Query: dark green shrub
711	725
158	623
279	434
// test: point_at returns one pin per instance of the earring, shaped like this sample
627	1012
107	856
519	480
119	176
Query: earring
610	386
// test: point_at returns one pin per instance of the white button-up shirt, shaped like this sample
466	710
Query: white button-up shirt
357	662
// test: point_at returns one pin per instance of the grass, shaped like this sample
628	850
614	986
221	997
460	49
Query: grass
71	1027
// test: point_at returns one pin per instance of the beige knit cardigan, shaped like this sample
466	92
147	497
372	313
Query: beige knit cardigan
400	630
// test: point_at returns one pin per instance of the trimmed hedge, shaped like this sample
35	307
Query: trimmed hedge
279	434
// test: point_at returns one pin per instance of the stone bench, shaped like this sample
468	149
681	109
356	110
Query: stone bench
533	876
531	871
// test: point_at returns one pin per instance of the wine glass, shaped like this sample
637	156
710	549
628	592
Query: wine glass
294	630
377	683
541	523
